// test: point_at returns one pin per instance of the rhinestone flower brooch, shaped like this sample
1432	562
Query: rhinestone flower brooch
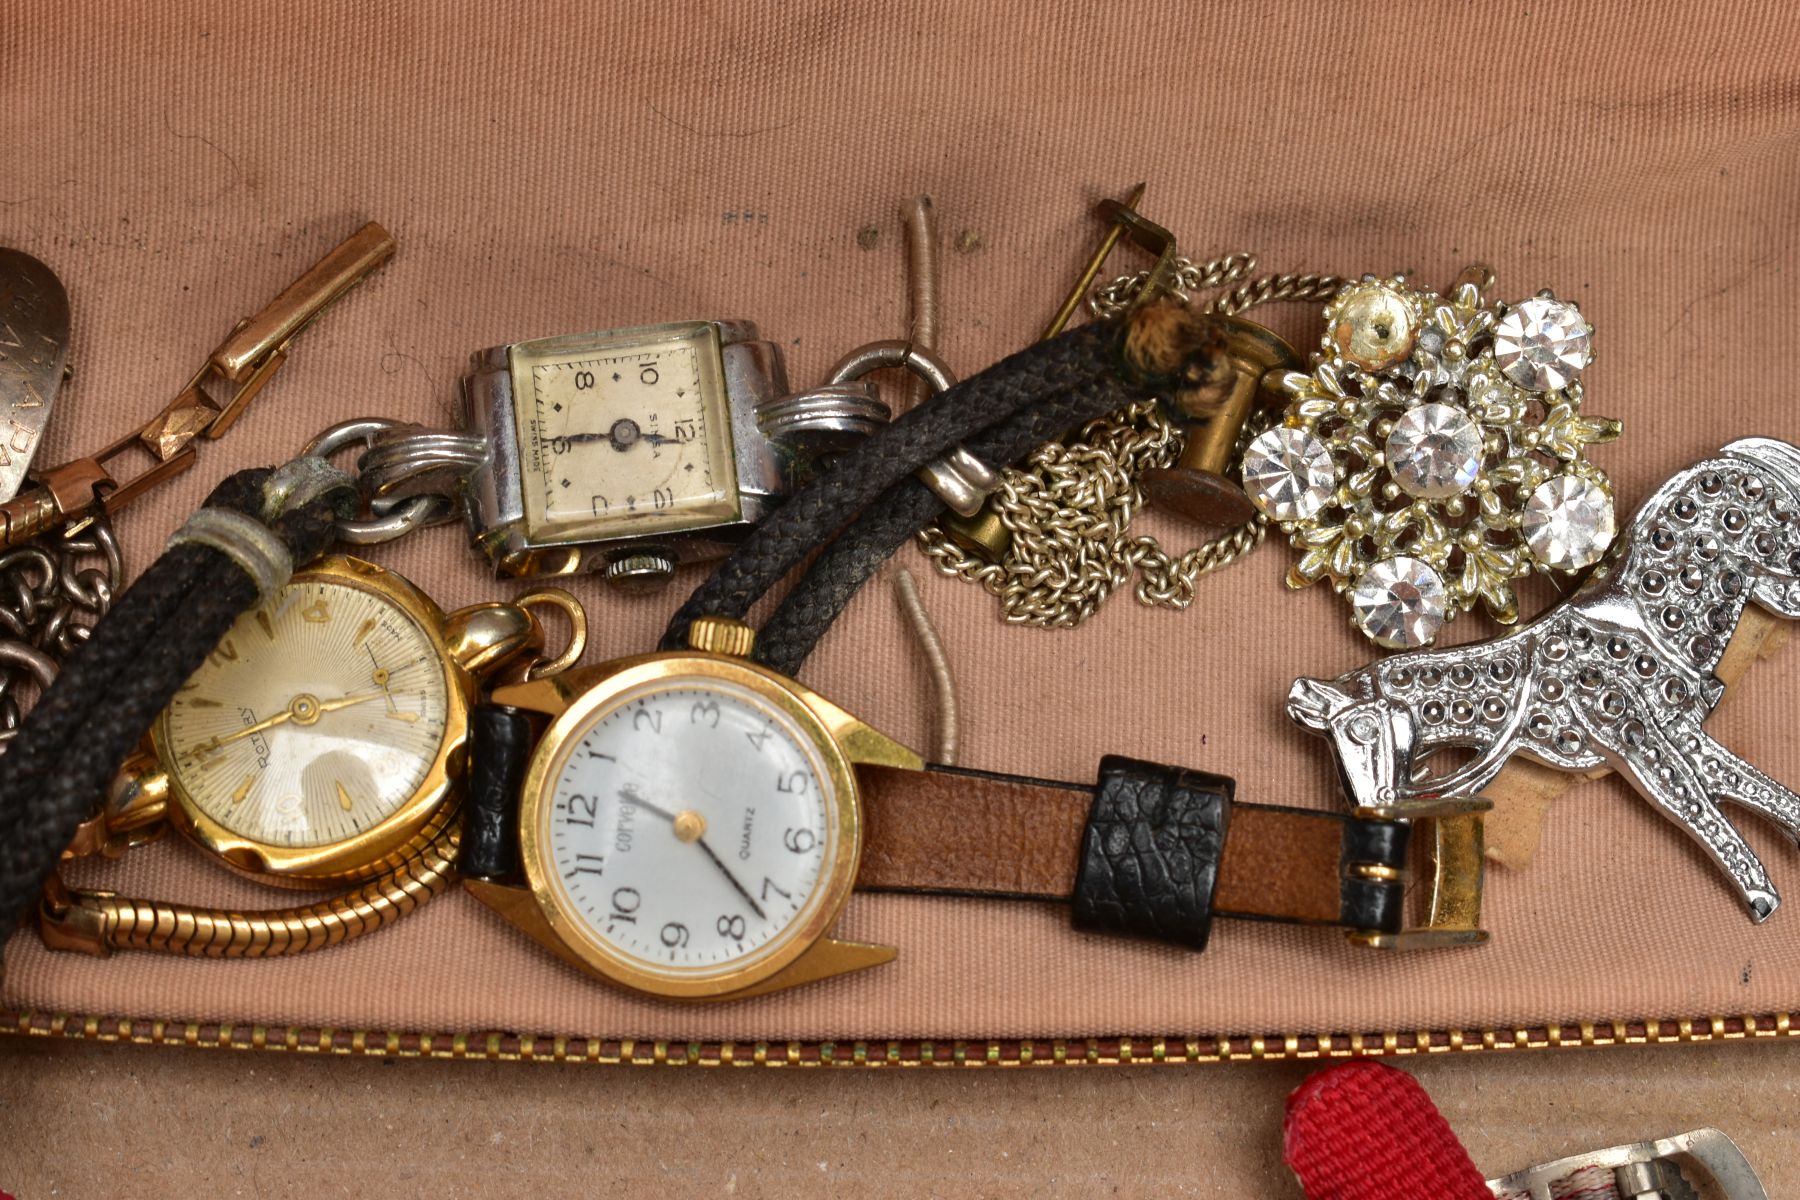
1435	453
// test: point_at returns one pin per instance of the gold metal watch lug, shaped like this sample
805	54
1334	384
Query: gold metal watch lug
139	795
871	747
513	902
519	907
483	638
827	957
90	839
548	696
861	743
137	801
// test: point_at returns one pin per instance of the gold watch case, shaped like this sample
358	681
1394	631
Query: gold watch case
464	644
804	953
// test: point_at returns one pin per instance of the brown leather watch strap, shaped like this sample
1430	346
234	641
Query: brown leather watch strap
970	833
973	833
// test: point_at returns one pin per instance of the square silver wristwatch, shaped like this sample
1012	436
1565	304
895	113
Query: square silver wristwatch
625	451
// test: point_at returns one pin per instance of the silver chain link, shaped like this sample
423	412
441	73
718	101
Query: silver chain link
420	452
1069	508
52	592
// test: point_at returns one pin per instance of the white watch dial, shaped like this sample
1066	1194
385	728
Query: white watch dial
621	436
315	719
689	827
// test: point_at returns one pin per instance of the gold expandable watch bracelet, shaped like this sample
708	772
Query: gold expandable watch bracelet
98	923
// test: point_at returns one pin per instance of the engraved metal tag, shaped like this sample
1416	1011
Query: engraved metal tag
34	347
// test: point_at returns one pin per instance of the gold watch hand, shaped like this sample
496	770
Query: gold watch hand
214	743
303	708
325	706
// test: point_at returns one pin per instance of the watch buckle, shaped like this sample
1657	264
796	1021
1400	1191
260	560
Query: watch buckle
1453	903
1647	1171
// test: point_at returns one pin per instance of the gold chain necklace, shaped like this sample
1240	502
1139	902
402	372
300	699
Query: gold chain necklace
1069	507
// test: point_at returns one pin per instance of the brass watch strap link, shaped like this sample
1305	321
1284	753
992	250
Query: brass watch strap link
101	922
247	359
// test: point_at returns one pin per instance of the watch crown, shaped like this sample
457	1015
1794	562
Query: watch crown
643	571
721	635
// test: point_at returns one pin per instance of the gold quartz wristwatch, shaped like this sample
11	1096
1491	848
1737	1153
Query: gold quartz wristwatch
691	824
322	744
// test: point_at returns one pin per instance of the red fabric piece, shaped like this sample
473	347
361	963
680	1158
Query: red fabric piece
1365	1131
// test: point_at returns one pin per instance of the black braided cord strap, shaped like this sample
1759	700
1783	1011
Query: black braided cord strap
861	509
857	552
1084	357
57	769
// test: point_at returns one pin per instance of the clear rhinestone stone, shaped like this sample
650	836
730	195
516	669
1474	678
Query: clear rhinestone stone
1288	473
1542	344
1434	452
1399	602
1569	522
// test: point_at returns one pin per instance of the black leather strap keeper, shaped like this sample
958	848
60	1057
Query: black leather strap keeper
499	747
1371	902
1150	857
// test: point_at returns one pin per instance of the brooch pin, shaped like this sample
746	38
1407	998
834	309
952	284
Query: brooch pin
1435	454
1621	674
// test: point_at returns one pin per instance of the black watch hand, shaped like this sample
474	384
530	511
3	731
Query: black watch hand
381	678
619	440
630	795
726	871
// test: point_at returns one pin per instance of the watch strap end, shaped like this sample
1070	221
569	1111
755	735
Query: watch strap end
499	747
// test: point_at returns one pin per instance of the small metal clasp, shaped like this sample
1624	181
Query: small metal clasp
501	642
1647	1170
393	515
959	479
70	920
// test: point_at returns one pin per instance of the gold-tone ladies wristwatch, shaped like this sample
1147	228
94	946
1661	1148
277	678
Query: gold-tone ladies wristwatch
322	743
691	824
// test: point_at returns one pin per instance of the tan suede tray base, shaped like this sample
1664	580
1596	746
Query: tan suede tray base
549	170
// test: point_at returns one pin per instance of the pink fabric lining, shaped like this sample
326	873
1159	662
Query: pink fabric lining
553	170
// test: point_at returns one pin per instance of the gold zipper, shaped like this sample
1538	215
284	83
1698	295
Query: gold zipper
1070	1052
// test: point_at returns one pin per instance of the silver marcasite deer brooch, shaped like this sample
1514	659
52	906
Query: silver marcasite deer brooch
1620	674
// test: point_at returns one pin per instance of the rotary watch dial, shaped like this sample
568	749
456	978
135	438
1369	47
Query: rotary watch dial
315	719
624	434
689	828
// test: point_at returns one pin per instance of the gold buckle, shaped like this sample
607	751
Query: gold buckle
1453	906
